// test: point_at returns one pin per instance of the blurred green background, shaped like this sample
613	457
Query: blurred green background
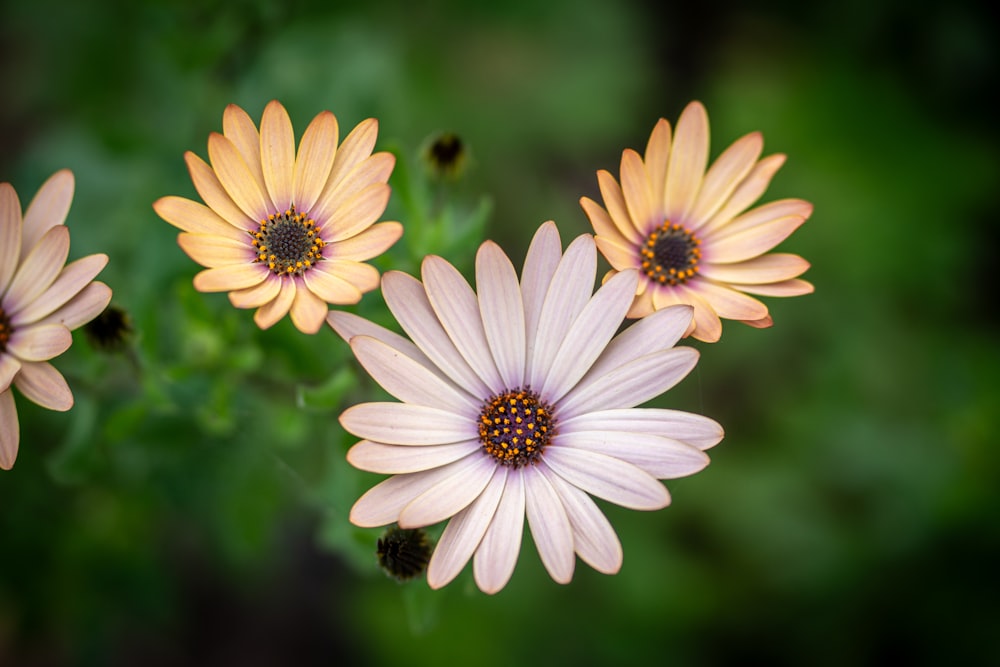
191	508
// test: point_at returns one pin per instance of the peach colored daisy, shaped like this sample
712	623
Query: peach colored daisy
689	232
284	231
42	299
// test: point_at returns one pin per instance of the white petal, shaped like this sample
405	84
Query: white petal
409	304
695	430
408	380
39	342
571	287
382	503
349	325
400	459
606	477
464	533
405	424
594	539
457	309
9	430
540	265
590	334
657	331
502	312
661	457
630	384
41	383
451	495
550	527
9	366
497	553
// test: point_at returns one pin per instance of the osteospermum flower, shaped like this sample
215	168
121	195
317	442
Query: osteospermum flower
42	299
518	402
688	233
285	231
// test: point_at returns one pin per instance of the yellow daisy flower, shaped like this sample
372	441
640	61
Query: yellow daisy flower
42	299
688	230
284	231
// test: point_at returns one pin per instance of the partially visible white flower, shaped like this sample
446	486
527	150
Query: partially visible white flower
42	299
518	402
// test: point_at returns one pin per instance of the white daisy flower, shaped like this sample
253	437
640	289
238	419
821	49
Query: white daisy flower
519	401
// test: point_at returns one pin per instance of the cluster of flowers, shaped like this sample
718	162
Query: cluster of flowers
516	398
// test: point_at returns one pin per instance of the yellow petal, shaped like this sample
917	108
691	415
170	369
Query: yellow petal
308	311
688	158
208	186
277	154
370	243
229	278
197	218
214	251
268	314
314	160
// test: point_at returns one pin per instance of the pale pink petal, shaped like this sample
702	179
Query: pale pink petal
330	287
396	459
9	430
695	430
464	533
368	244
314	160
457	309
268	315
643	211
408	380
614	201
795	287
607	477
497	554
208	186
550	527
752	242
382	503
349	325
39	342
47	209
10	234
409	304
747	192
571	288
658	331
621	257
277	155
728	303
197	218
540	265
502	312
356	213
216	251
257	296
656	159
41	383
9	366
38	270
688	158
85	306
589	335
663	458
232	277
405	424
760	324
727	172
770	268
241	130
237	179
71	281
594	539
630	384
451	495
308	311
